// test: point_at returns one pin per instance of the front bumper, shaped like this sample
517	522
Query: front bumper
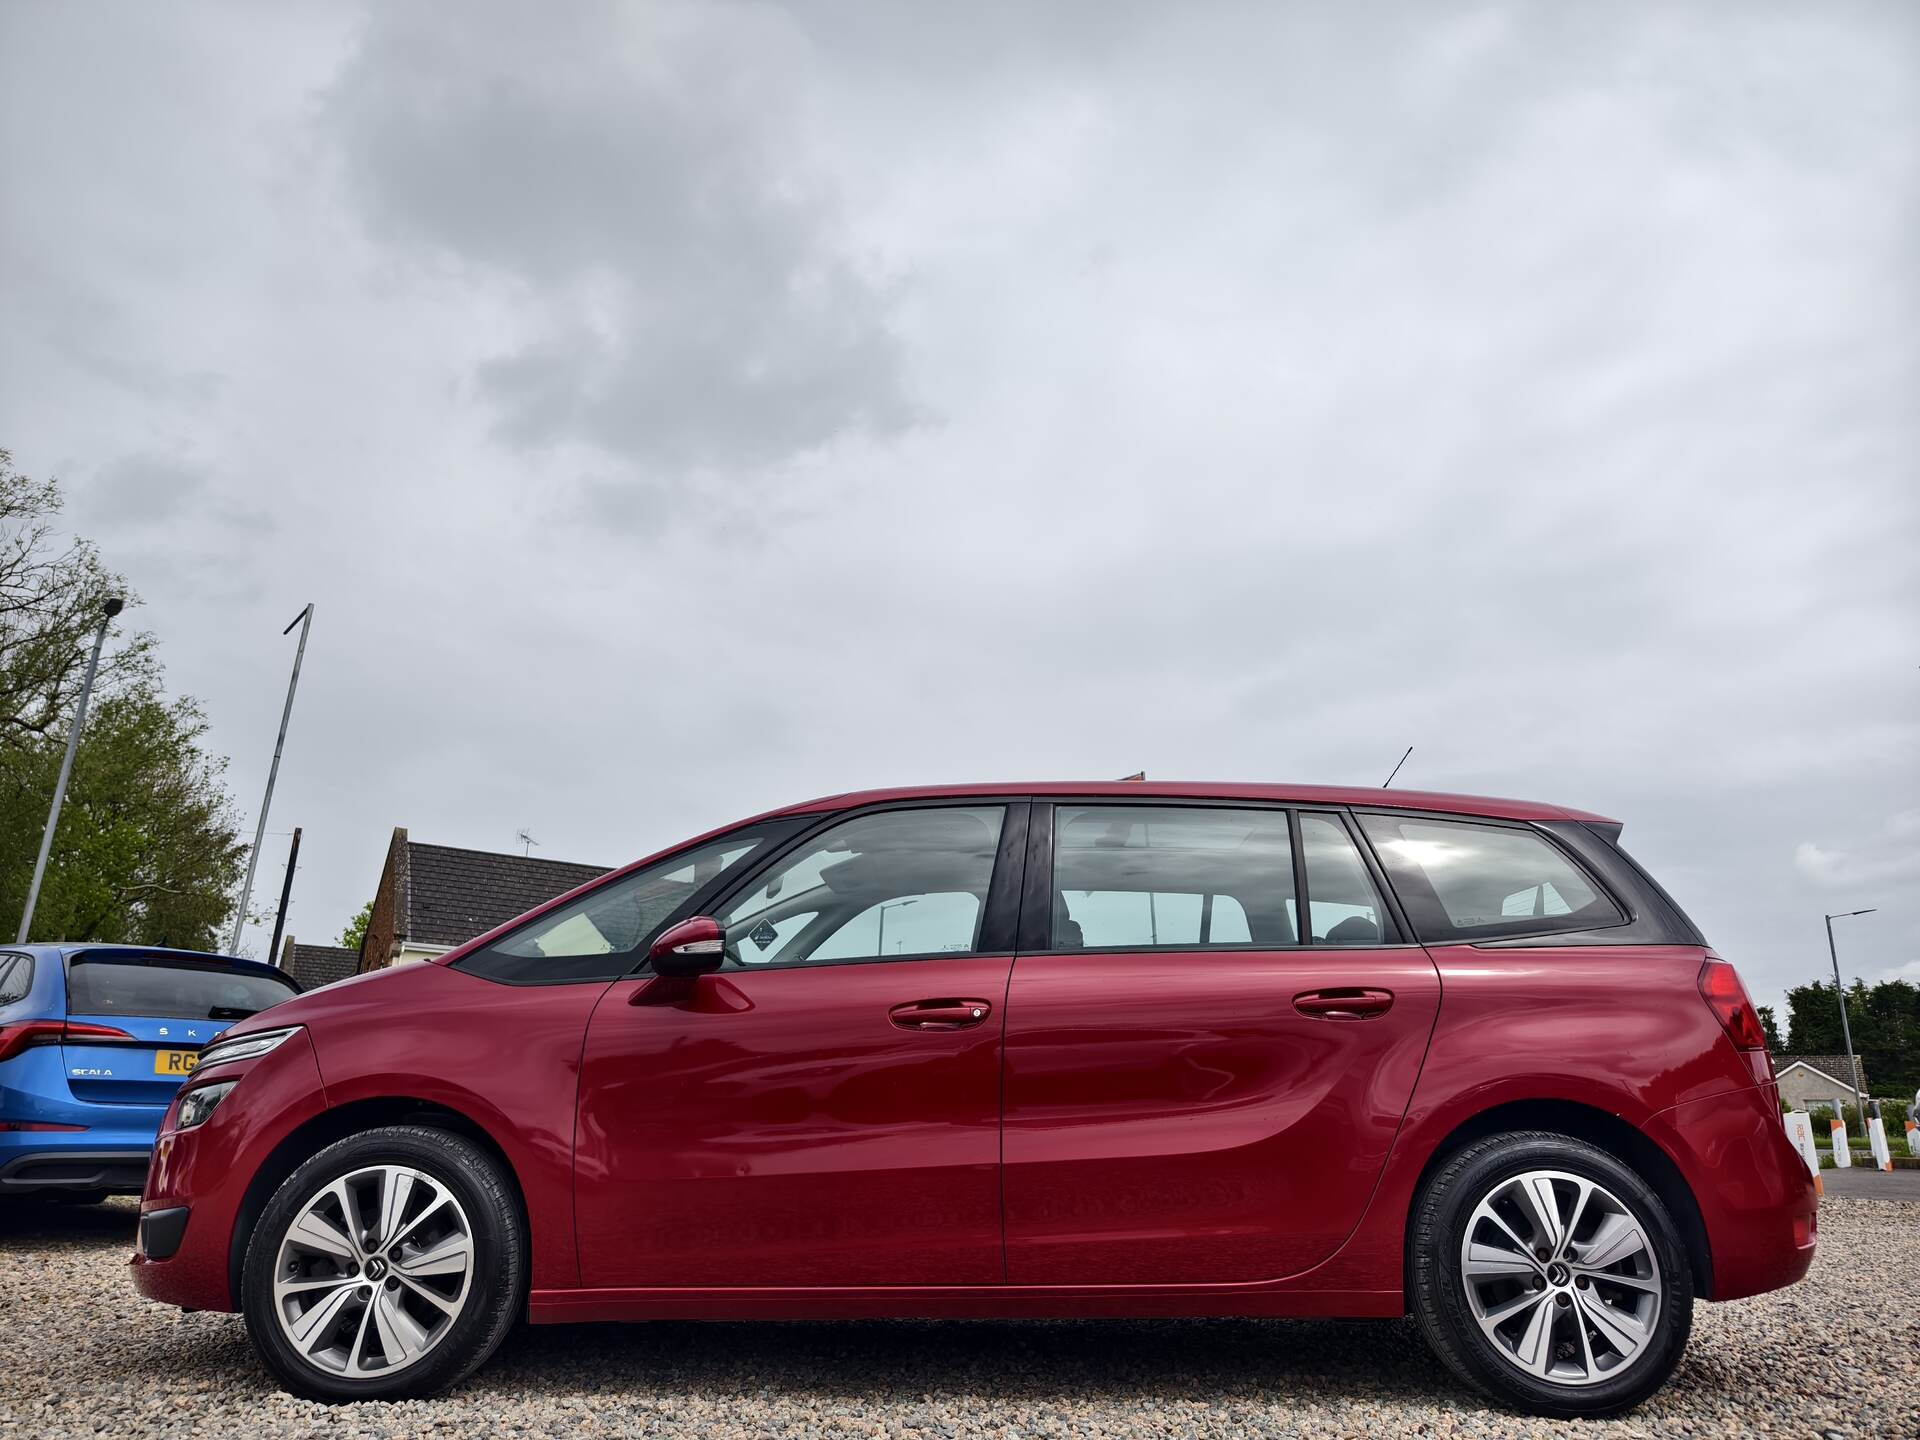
197	1194
1756	1197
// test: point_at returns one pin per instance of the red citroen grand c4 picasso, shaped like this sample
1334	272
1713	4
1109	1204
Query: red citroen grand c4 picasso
1035	1050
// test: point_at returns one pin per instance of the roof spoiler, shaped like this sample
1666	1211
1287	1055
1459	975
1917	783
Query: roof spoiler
1607	830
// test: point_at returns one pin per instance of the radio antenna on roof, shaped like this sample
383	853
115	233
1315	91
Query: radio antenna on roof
527	841
1396	769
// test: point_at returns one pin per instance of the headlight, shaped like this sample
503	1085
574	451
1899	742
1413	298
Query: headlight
198	1103
243	1047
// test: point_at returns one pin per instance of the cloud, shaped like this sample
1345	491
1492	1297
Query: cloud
1529	384
1891	858
684	294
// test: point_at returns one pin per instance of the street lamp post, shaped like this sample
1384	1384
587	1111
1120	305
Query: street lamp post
109	608
880	945
1846	1031
273	771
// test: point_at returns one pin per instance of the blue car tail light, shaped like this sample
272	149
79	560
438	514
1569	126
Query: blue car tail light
25	1033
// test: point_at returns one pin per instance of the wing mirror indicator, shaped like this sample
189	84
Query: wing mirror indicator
696	946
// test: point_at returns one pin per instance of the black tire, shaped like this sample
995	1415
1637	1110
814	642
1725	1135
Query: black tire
1438	1295
497	1290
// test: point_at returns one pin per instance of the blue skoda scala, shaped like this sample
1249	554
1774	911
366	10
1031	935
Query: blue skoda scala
94	1040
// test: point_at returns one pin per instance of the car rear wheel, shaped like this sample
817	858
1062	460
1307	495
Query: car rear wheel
1547	1274
389	1265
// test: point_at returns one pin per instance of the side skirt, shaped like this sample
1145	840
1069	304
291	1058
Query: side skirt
1116	1302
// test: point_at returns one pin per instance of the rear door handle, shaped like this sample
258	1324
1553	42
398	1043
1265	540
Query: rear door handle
1354	1004
939	1014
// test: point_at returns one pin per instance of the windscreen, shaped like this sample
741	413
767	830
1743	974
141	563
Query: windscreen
182	989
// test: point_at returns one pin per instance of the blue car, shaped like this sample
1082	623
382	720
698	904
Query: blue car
94	1040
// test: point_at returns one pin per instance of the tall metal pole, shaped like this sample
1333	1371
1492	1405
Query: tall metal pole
108	609
286	891
1846	1031
260	831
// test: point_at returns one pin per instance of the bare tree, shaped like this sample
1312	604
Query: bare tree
50	592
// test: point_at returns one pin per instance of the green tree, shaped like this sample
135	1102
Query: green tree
1885	1020
1813	1020
147	850
1769	1028
356	930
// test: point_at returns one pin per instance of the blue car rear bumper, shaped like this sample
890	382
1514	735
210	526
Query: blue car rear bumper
110	1153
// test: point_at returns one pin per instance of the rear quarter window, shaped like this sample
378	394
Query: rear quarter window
170	989
16	977
1460	880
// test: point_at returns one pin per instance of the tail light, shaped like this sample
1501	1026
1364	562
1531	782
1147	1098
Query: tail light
1720	987
22	1034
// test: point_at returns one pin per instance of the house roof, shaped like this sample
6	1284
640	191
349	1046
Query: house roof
452	895
1833	1067
317	965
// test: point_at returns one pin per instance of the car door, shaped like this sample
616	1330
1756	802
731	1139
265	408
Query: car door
1200	1089
824	1110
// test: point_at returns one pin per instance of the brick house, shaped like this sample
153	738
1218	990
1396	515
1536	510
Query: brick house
434	897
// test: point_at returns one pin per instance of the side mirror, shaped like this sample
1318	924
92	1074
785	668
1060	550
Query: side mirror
696	946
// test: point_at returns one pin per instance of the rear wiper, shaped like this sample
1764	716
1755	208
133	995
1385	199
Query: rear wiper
229	1012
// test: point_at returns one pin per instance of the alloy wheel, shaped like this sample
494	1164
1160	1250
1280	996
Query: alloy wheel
373	1272
1562	1277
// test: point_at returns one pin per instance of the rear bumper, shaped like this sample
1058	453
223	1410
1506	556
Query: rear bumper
106	1147
73	1167
1756	1198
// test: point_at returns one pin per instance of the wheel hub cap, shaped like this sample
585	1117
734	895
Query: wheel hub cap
1561	1277
373	1272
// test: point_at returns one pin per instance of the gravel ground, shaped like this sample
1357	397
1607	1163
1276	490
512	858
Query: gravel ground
81	1354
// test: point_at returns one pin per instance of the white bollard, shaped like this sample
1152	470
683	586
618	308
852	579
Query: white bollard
1877	1138
1800	1130
1842	1149
1913	1138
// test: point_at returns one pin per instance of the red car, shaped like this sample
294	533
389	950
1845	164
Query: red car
1043	1050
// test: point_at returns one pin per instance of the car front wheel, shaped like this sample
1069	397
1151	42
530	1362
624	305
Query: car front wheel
1548	1274
389	1265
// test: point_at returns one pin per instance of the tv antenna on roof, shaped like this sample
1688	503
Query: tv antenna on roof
527	841
1396	769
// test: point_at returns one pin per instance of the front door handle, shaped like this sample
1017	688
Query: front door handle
1344	1004
939	1014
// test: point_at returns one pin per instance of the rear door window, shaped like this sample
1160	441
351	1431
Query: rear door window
1460	880
1163	877
170	989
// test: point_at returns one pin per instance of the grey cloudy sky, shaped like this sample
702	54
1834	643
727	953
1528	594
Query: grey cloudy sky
680	409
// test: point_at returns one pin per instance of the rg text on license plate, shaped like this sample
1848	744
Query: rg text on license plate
175	1062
